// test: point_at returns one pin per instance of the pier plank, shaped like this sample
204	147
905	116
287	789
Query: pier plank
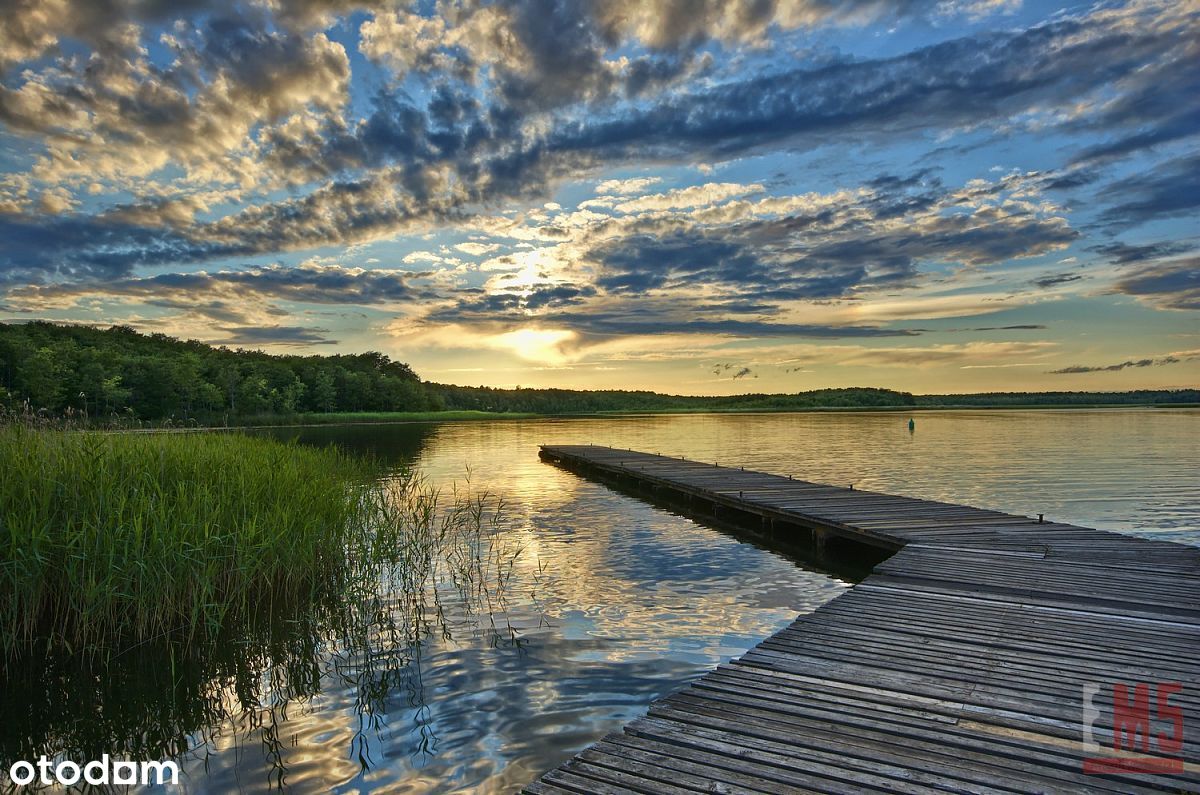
958	665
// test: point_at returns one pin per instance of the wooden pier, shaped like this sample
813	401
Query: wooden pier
959	665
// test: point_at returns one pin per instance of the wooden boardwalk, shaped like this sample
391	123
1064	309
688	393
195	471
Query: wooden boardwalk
959	665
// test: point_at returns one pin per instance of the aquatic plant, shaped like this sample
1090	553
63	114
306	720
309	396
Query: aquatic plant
111	539
190	587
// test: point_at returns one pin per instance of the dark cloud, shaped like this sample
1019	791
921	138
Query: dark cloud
82	248
274	335
961	82
1070	179
1174	284
87	247
806	257
30	28
1127	254
560	306
305	284
1018	327
1169	190
1157	105
1116	367
476	304
1057	279
736	328
1171	126
898	182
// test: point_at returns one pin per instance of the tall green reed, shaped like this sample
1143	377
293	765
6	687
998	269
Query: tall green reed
158	591
123	537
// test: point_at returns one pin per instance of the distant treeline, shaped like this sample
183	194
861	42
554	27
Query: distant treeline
572	401
1138	397
118	372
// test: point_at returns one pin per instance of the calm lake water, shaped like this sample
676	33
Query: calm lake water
614	602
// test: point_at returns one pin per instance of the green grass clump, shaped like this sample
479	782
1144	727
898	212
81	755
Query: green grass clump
108	540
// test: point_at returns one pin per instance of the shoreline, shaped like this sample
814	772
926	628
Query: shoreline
342	419
413	418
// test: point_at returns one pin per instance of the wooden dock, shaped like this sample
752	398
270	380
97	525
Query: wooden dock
959	665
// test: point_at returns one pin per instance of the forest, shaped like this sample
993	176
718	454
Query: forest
120	374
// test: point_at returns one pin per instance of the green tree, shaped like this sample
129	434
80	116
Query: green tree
323	393
253	395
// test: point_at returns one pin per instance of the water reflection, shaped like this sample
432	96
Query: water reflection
609	602
396	444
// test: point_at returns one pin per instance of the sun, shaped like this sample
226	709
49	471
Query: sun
543	345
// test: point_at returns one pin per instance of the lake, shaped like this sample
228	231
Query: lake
613	602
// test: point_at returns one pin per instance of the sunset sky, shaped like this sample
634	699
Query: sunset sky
692	197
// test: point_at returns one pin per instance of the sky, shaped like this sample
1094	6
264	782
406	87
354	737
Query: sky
704	197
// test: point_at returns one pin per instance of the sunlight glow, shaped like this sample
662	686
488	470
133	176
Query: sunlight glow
547	346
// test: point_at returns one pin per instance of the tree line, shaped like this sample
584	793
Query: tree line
119	372
66	369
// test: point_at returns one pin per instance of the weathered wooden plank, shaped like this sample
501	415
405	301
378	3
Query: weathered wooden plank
958	665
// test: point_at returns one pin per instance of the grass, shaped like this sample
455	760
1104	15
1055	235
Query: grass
166	593
160	591
128	536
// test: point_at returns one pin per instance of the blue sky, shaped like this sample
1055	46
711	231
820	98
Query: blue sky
703	197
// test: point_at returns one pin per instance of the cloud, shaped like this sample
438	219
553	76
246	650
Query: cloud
1169	190
249	105
821	266
1125	254
1112	368
111	246
974	80
143	150
229	295
969	355
116	115
274	335
625	187
1057	279
692	196
477	249
976	10
1153	107
859	242
1172	284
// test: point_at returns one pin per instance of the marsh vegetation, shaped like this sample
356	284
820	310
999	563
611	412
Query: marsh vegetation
163	594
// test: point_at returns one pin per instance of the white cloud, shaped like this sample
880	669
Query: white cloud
693	196
626	187
477	249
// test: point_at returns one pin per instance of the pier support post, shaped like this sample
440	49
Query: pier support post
820	539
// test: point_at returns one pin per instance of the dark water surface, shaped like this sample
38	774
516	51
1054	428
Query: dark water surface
614	602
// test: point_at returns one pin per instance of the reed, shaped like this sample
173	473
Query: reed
110	539
187	590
